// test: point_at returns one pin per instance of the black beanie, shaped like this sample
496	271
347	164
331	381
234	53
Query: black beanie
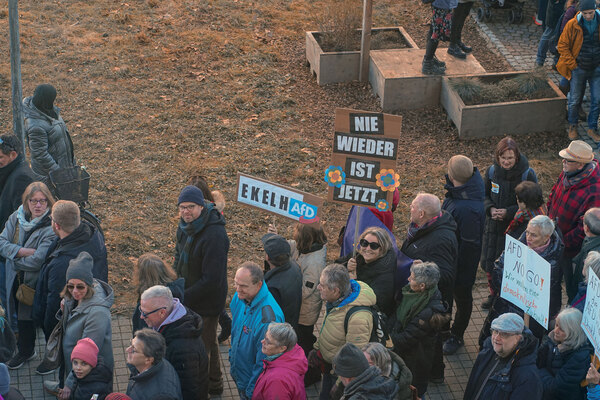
81	268
43	99
350	362
191	194
587	5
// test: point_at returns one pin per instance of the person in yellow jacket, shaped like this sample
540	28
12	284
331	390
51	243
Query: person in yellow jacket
579	48
340	294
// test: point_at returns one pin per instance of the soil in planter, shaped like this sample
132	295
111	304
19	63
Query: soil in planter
529	86
380	40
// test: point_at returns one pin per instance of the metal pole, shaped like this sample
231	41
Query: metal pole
15	71
365	43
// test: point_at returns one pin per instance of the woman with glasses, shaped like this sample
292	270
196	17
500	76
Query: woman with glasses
85	313
24	243
375	264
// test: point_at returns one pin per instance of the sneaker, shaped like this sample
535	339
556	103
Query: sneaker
573	135
19	359
429	67
52	387
487	303
593	134
44	369
452	345
439	62
537	21
465	48
454	50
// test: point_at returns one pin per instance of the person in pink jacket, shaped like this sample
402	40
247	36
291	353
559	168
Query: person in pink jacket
284	367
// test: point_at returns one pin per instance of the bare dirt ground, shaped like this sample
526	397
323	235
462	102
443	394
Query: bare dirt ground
153	91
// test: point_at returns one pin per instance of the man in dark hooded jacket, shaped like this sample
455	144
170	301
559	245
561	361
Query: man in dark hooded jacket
181	328
201	258
464	201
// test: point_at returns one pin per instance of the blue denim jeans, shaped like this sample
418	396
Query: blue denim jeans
544	45
579	78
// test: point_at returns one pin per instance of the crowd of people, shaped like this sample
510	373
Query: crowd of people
382	336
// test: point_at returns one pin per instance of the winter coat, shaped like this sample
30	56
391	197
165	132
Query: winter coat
332	336
416	342
437	243
465	204
53	274
569	45
445	4
206	280
250	322
177	291
39	238
370	385
283	378
593	393
567	206
89	319
311	265
561	372
14	179
579	299
98	381
50	144
379	275
518	380
402	376
590	243
13	394
285	284
186	353
500	193
158	380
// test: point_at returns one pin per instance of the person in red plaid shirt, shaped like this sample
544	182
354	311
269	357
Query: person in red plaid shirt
576	190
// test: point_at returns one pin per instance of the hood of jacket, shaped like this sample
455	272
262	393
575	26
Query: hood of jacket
361	294
474	189
188	326
372	385
445	221
31	111
294	361
80	236
103	297
100	373
525	354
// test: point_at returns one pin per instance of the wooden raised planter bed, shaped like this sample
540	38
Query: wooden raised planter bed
513	117
341	66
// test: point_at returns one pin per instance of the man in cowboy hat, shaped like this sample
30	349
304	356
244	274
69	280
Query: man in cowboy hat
576	190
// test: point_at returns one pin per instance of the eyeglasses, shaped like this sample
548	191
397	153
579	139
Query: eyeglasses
187	208
372	245
145	315
41	202
503	335
569	161
78	287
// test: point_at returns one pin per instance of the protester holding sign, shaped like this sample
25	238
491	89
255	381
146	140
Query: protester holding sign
592	261
593	379
509	169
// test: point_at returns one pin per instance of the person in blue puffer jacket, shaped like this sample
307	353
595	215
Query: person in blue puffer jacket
439	29
253	308
593	379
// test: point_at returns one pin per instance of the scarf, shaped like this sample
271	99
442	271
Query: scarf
412	304
523	216
414	228
585	172
274	357
25	224
543	247
191	230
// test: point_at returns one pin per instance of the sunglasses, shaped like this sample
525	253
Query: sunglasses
372	245
145	315
79	287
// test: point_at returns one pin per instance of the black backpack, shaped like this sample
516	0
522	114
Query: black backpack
379	333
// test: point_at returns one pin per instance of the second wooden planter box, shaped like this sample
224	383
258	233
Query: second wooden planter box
512	117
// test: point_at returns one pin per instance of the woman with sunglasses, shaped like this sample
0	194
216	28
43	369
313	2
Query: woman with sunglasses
24	243
85	313
375	264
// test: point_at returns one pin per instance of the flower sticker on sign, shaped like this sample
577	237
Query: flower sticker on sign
382	205
388	180
335	176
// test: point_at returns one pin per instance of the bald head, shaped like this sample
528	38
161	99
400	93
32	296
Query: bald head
591	222
424	207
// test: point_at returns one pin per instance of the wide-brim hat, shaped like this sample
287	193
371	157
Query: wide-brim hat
578	151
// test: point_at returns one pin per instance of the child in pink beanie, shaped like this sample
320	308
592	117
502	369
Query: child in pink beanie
90	375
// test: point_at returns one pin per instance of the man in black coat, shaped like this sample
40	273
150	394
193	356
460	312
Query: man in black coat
15	176
182	329
432	237
283	276
201	259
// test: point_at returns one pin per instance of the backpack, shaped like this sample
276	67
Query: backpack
492	170
379	332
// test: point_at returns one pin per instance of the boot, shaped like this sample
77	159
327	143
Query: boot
593	134
454	50
429	67
439	62
465	48
573	135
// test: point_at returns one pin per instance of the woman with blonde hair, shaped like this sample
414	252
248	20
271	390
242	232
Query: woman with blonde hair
151	270
24	243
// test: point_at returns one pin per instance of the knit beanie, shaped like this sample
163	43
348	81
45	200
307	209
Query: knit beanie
86	350
587	5
117	396
81	268
4	379
191	194
350	362
460	168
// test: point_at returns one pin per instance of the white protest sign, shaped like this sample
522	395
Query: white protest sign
591	312
526	280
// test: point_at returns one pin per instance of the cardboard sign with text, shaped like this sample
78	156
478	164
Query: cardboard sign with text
277	199
363	161
591	313
526	280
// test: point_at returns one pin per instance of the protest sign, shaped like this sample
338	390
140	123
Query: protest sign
363	162
591	313
526	280
277	199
